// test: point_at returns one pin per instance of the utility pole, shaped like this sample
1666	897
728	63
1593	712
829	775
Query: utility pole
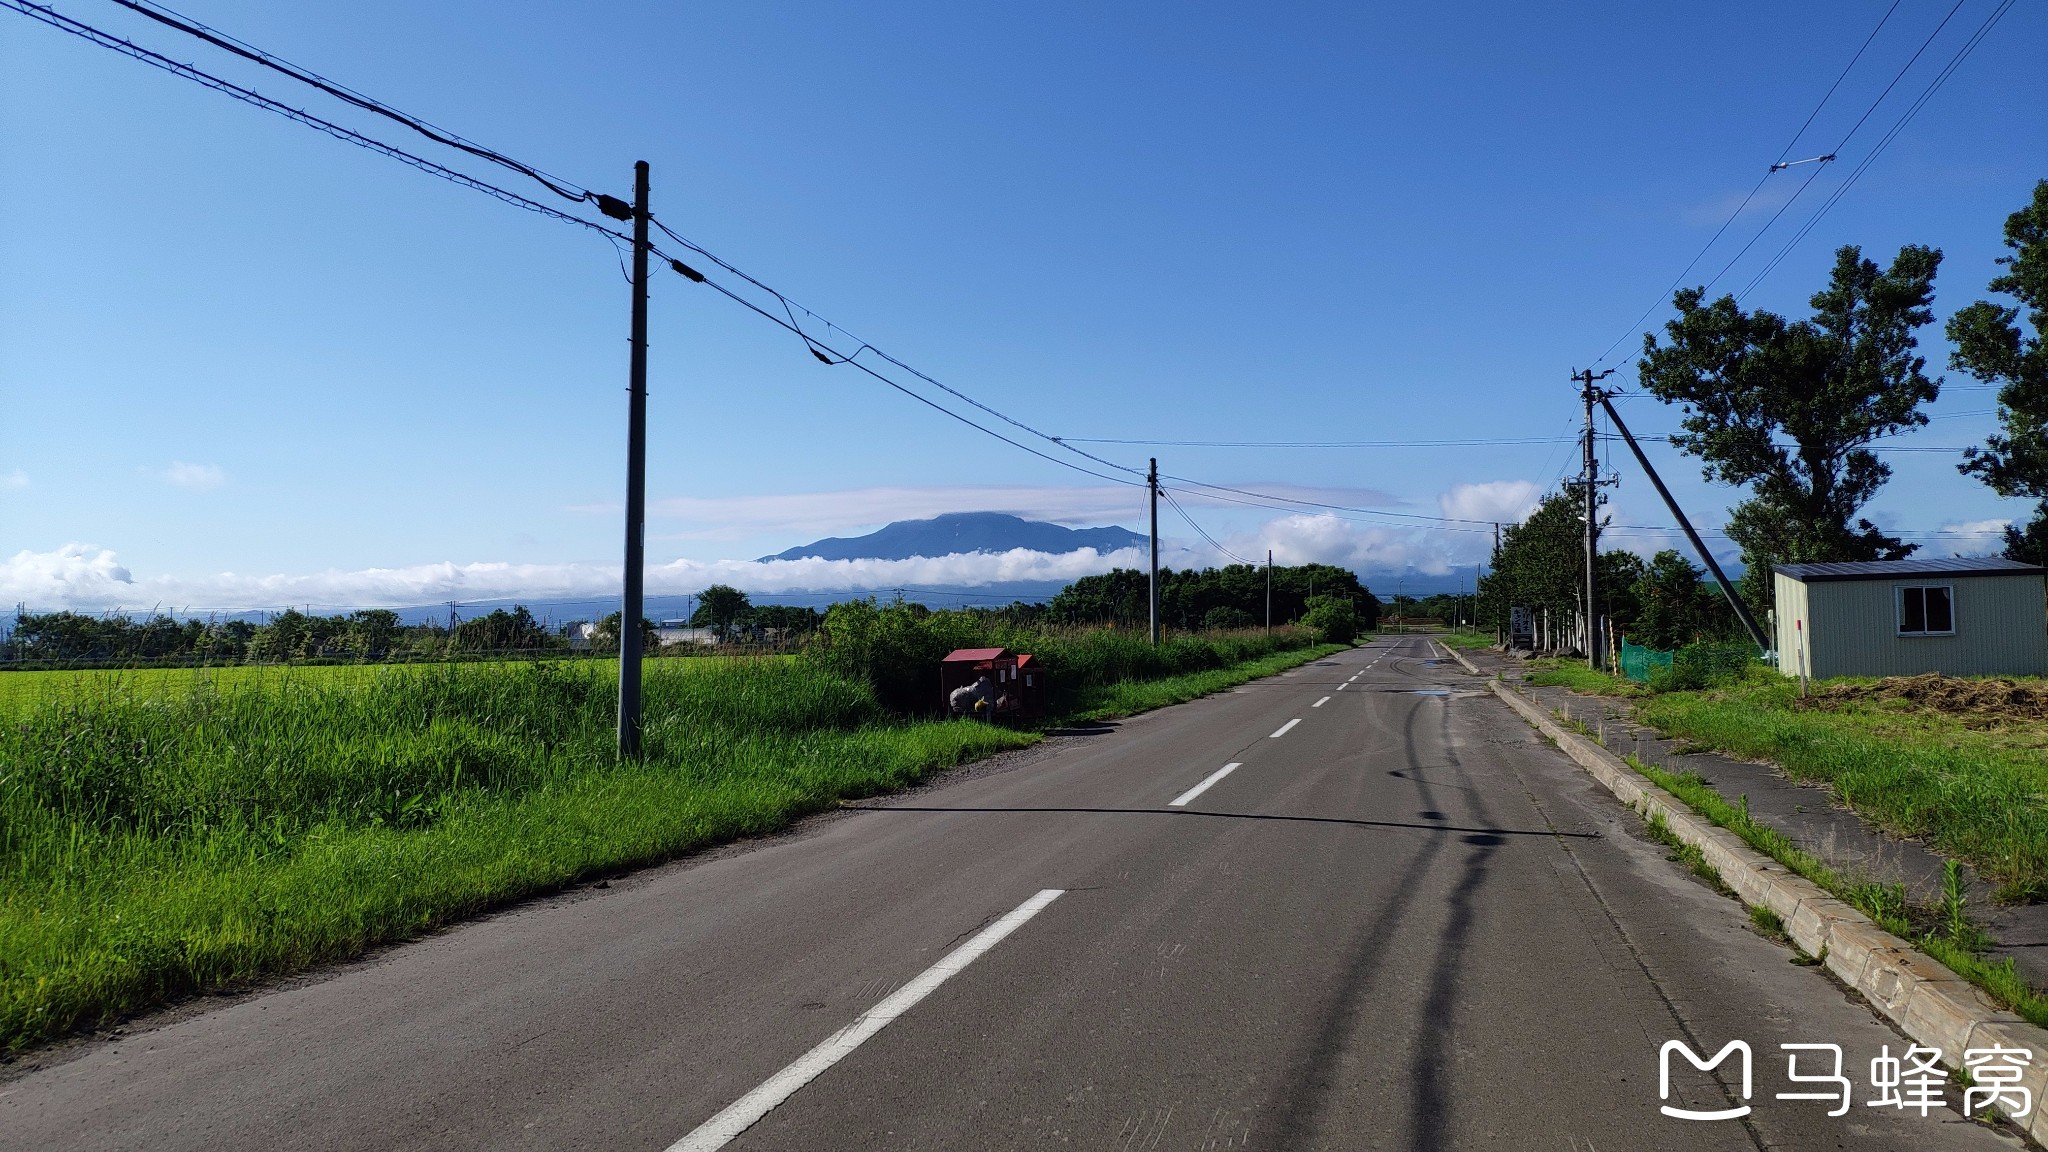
1501	608
1152	487
636	483
1269	591
1591	479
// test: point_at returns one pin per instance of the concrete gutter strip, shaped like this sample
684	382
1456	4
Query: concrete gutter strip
1927	1002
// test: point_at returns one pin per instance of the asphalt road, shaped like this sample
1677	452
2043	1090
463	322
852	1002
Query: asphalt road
1402	922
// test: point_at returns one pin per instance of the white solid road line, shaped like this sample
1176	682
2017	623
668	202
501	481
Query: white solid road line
1320	703
1284	728
741	1114
1197	790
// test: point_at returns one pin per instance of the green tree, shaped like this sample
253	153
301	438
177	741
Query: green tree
1224	617
721	607
1785	408
1333	619
1541	565
1990	346
788	619
502	631
1676	607
607	636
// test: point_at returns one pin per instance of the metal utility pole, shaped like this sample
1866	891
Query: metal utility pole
1706	557
1591	480
1269	591
1152	487
636	483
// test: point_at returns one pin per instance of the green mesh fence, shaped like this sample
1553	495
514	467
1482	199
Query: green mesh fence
1637	661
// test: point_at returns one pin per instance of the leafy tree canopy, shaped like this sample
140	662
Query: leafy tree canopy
1990	346
1785	408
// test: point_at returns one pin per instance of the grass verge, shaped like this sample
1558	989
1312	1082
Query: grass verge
1574	674
1465	639
1943	932
1974	794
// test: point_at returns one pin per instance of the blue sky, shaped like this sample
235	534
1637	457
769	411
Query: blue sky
243	363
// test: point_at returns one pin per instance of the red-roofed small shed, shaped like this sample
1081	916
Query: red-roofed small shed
992	683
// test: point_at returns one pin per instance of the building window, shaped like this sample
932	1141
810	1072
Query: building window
1927	611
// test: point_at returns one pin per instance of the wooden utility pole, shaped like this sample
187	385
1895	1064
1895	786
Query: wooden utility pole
636	484
1152	488
1591	479
1269	591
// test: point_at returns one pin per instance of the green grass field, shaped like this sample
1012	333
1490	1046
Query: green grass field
168	832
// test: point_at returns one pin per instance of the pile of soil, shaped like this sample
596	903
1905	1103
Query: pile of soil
1986	700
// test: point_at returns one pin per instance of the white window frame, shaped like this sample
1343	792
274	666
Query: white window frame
1899	609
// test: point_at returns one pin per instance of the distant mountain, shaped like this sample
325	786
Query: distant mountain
962	532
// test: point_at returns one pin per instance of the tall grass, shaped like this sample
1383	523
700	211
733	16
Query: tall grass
163	834
154	843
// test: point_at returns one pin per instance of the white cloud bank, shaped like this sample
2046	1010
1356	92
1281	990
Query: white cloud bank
86	577
91	578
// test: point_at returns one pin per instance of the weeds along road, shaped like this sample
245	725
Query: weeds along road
1400	921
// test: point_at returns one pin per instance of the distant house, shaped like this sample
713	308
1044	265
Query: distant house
581	635
1962	617
676	632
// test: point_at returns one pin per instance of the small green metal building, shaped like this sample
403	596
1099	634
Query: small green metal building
1962	617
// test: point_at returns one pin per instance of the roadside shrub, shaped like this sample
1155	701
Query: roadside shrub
1698	666
896	648
1333	619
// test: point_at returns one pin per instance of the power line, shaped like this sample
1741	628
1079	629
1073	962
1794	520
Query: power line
820	349
1843	143
104	39
1297	444
1758	187
227	43
1203	532
108	40
1870	158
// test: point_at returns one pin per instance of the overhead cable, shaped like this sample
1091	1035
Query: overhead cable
227	43
104	39
1870	157
1199	530
1776	166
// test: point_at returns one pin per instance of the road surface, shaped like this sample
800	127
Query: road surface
1401	921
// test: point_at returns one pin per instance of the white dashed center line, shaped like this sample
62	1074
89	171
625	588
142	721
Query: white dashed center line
1284	728
1320	703
742	1113
1182	799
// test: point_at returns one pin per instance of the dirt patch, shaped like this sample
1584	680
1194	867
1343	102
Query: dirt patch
1986	701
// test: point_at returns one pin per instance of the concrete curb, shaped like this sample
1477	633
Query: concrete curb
1929	1003
1459	657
